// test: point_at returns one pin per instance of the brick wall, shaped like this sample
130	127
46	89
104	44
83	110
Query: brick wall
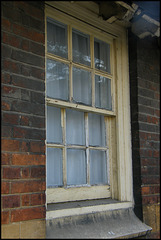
145	122
23	119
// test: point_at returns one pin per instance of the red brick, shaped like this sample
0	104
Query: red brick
27	214
4	217
11	201
27	186
5	187
37	147
145	190
10	118
25	199
25	172
150	179
25	159
28	33
6	24
25	146
150	199
156	154
38	199
10	145
155	189
25	45
5	158
38	172
157	113
11	66
11	173
11	40
157	95
149	119
154	120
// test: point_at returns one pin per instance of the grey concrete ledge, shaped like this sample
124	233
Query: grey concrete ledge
111	224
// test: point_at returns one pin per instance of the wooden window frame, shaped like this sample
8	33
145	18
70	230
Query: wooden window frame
119	134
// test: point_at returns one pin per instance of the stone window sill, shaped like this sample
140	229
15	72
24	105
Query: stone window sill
103	218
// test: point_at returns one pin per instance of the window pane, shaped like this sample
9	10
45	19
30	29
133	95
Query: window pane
75	127
102	55
81	47
57	38
76	167
97	133
57	76
54	130
54	167
98	167
82	86
103	92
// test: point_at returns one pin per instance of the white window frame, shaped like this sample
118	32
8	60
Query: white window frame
119	132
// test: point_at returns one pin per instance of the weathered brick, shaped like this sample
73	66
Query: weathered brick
26	57
11	92
6	131
10	118
11	173
28	83
37	48
11	201
4	217
27	214
27	186
24	120
25	159
38	73
28	133
28	107
5	78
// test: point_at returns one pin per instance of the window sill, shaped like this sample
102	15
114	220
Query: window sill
104	218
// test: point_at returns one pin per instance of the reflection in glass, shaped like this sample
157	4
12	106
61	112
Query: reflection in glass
98	167
103	92
76	167
102	55
54	130
81	47
82	86
75	127
57	38
57	78
97	133
54	167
